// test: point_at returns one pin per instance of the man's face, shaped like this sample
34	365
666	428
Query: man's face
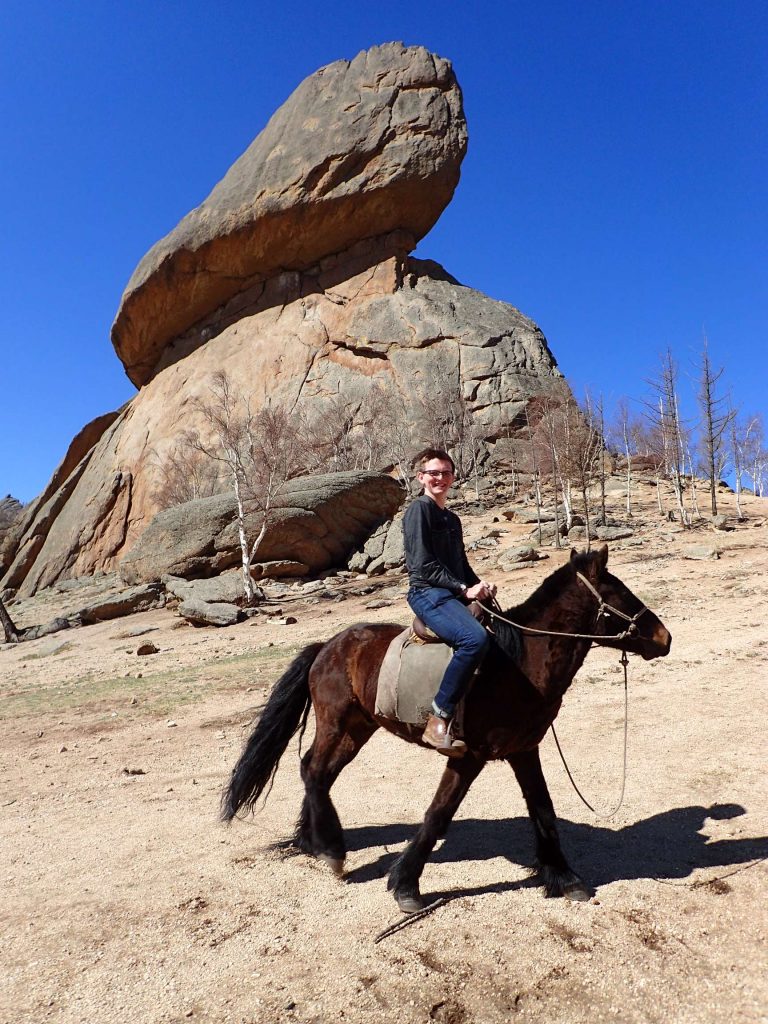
436	477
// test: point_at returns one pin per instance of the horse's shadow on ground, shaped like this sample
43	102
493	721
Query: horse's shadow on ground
665	846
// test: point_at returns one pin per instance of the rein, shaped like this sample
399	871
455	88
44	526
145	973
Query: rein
605	609
602	814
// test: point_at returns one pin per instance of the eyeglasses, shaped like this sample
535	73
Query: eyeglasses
437	472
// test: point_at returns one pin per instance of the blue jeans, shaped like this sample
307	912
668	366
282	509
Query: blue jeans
452	621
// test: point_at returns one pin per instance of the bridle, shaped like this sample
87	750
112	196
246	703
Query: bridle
603	609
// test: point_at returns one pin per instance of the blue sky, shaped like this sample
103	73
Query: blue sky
614	189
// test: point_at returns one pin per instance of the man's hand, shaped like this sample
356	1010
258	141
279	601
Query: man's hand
481	591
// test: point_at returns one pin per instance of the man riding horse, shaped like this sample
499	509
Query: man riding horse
442	584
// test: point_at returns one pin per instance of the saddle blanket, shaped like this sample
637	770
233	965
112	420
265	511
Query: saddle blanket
409	678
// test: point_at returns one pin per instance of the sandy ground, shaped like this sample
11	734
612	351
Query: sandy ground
126	900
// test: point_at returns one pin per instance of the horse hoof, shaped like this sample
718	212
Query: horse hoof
577	893
336	864
409	904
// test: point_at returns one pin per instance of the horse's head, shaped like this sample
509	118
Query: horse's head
620	613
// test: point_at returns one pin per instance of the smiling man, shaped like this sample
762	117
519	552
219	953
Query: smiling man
442	583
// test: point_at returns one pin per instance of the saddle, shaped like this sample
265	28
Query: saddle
411	672
422	634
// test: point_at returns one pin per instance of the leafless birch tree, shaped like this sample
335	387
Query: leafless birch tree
258	451
754	453
663	414
537	479
747	453
624	433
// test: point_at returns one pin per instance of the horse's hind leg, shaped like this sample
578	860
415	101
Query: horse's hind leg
553	869
319	832
404	877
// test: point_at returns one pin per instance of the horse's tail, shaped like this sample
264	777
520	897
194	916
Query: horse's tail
286	710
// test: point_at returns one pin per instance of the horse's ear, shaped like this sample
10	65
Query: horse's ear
601	557
574	554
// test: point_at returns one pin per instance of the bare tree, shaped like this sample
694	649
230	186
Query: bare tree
574	447
469	450
443	418
333	430
259	452
508	430
389	431
537	480
439	418
737	456
692	478
663	414
587	454
596	413
12	635
646	439
748	453
715	418
755	454
184	473
624	433
373	433
549	458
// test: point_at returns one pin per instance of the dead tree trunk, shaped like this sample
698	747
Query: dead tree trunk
12	635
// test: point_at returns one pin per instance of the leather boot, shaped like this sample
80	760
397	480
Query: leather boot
437	734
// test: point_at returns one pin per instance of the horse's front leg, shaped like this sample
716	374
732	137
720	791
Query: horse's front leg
404	877
553	869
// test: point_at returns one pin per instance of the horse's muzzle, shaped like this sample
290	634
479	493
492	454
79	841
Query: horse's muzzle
657	646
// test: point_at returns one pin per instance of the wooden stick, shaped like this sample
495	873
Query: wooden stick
409	919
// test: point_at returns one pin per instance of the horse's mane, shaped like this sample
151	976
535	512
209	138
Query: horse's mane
551	588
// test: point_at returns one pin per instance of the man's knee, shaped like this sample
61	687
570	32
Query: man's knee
476	640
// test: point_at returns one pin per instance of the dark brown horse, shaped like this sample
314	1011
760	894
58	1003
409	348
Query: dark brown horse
510	708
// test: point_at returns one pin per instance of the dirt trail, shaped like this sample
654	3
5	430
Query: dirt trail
126	900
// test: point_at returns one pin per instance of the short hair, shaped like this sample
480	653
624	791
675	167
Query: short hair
427	454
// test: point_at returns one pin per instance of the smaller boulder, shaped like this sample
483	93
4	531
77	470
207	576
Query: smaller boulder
519	557
279	569
227	588
578	534
201	613
701	552
548	531
613	532
521	554
127	602
528	515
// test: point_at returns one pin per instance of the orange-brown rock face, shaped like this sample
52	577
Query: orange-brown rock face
294	276
362	148
402	324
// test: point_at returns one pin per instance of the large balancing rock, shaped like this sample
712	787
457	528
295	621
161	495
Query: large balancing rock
362	148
